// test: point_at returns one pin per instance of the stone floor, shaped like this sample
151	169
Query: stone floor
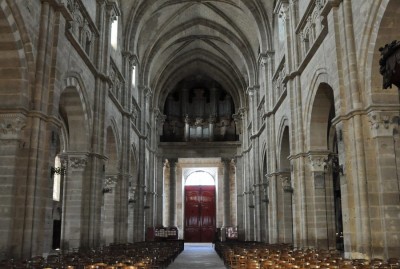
198	255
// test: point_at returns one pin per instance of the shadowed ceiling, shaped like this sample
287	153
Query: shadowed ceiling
177	39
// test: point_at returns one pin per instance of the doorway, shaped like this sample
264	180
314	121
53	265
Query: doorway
200	212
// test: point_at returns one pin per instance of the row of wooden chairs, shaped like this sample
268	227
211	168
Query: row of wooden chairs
256	255
140	255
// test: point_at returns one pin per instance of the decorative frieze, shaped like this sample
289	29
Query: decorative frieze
278	80
311	25
117	84
82	27
11	126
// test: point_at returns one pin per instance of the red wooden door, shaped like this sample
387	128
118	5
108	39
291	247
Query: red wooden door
199	213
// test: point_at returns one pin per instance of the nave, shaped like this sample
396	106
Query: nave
197	255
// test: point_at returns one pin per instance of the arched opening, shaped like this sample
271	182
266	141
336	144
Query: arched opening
200	178
76	189
326	193
264	200
285	192
110	190
200	206
133	181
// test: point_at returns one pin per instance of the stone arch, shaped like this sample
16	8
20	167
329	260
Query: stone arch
14	61
75	112
283	147
381	28
133	185
318	121
111	190
324	187
264	157
284	186
112	143
264	198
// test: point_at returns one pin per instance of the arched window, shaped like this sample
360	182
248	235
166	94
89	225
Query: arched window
57	181
133	76
114	33
199	178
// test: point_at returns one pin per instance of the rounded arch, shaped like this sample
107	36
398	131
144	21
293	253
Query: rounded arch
199	177
15	47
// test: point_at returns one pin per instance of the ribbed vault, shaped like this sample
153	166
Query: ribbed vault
177	39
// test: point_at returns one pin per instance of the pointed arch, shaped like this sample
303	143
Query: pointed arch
75	111
283	133
113	147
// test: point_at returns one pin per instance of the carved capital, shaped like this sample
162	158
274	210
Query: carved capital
148	93
281	8
11	126
109	183
286	182
251	91
318	160
381	119
133	61
77	162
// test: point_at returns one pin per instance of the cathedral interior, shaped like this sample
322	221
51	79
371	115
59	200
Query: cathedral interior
273	121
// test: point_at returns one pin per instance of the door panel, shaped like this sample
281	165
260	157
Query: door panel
199	213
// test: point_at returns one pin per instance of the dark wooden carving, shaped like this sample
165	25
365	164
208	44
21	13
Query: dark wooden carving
390	64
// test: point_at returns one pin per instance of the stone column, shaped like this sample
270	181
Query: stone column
226	193
160	191
75	209
286	206
233	202
166	192
320	217
264	200
11	144
172	192
131	213
273	208
109	231
384	184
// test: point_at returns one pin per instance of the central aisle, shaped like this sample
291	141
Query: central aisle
198	255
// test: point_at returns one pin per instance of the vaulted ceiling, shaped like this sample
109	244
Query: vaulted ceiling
217	39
